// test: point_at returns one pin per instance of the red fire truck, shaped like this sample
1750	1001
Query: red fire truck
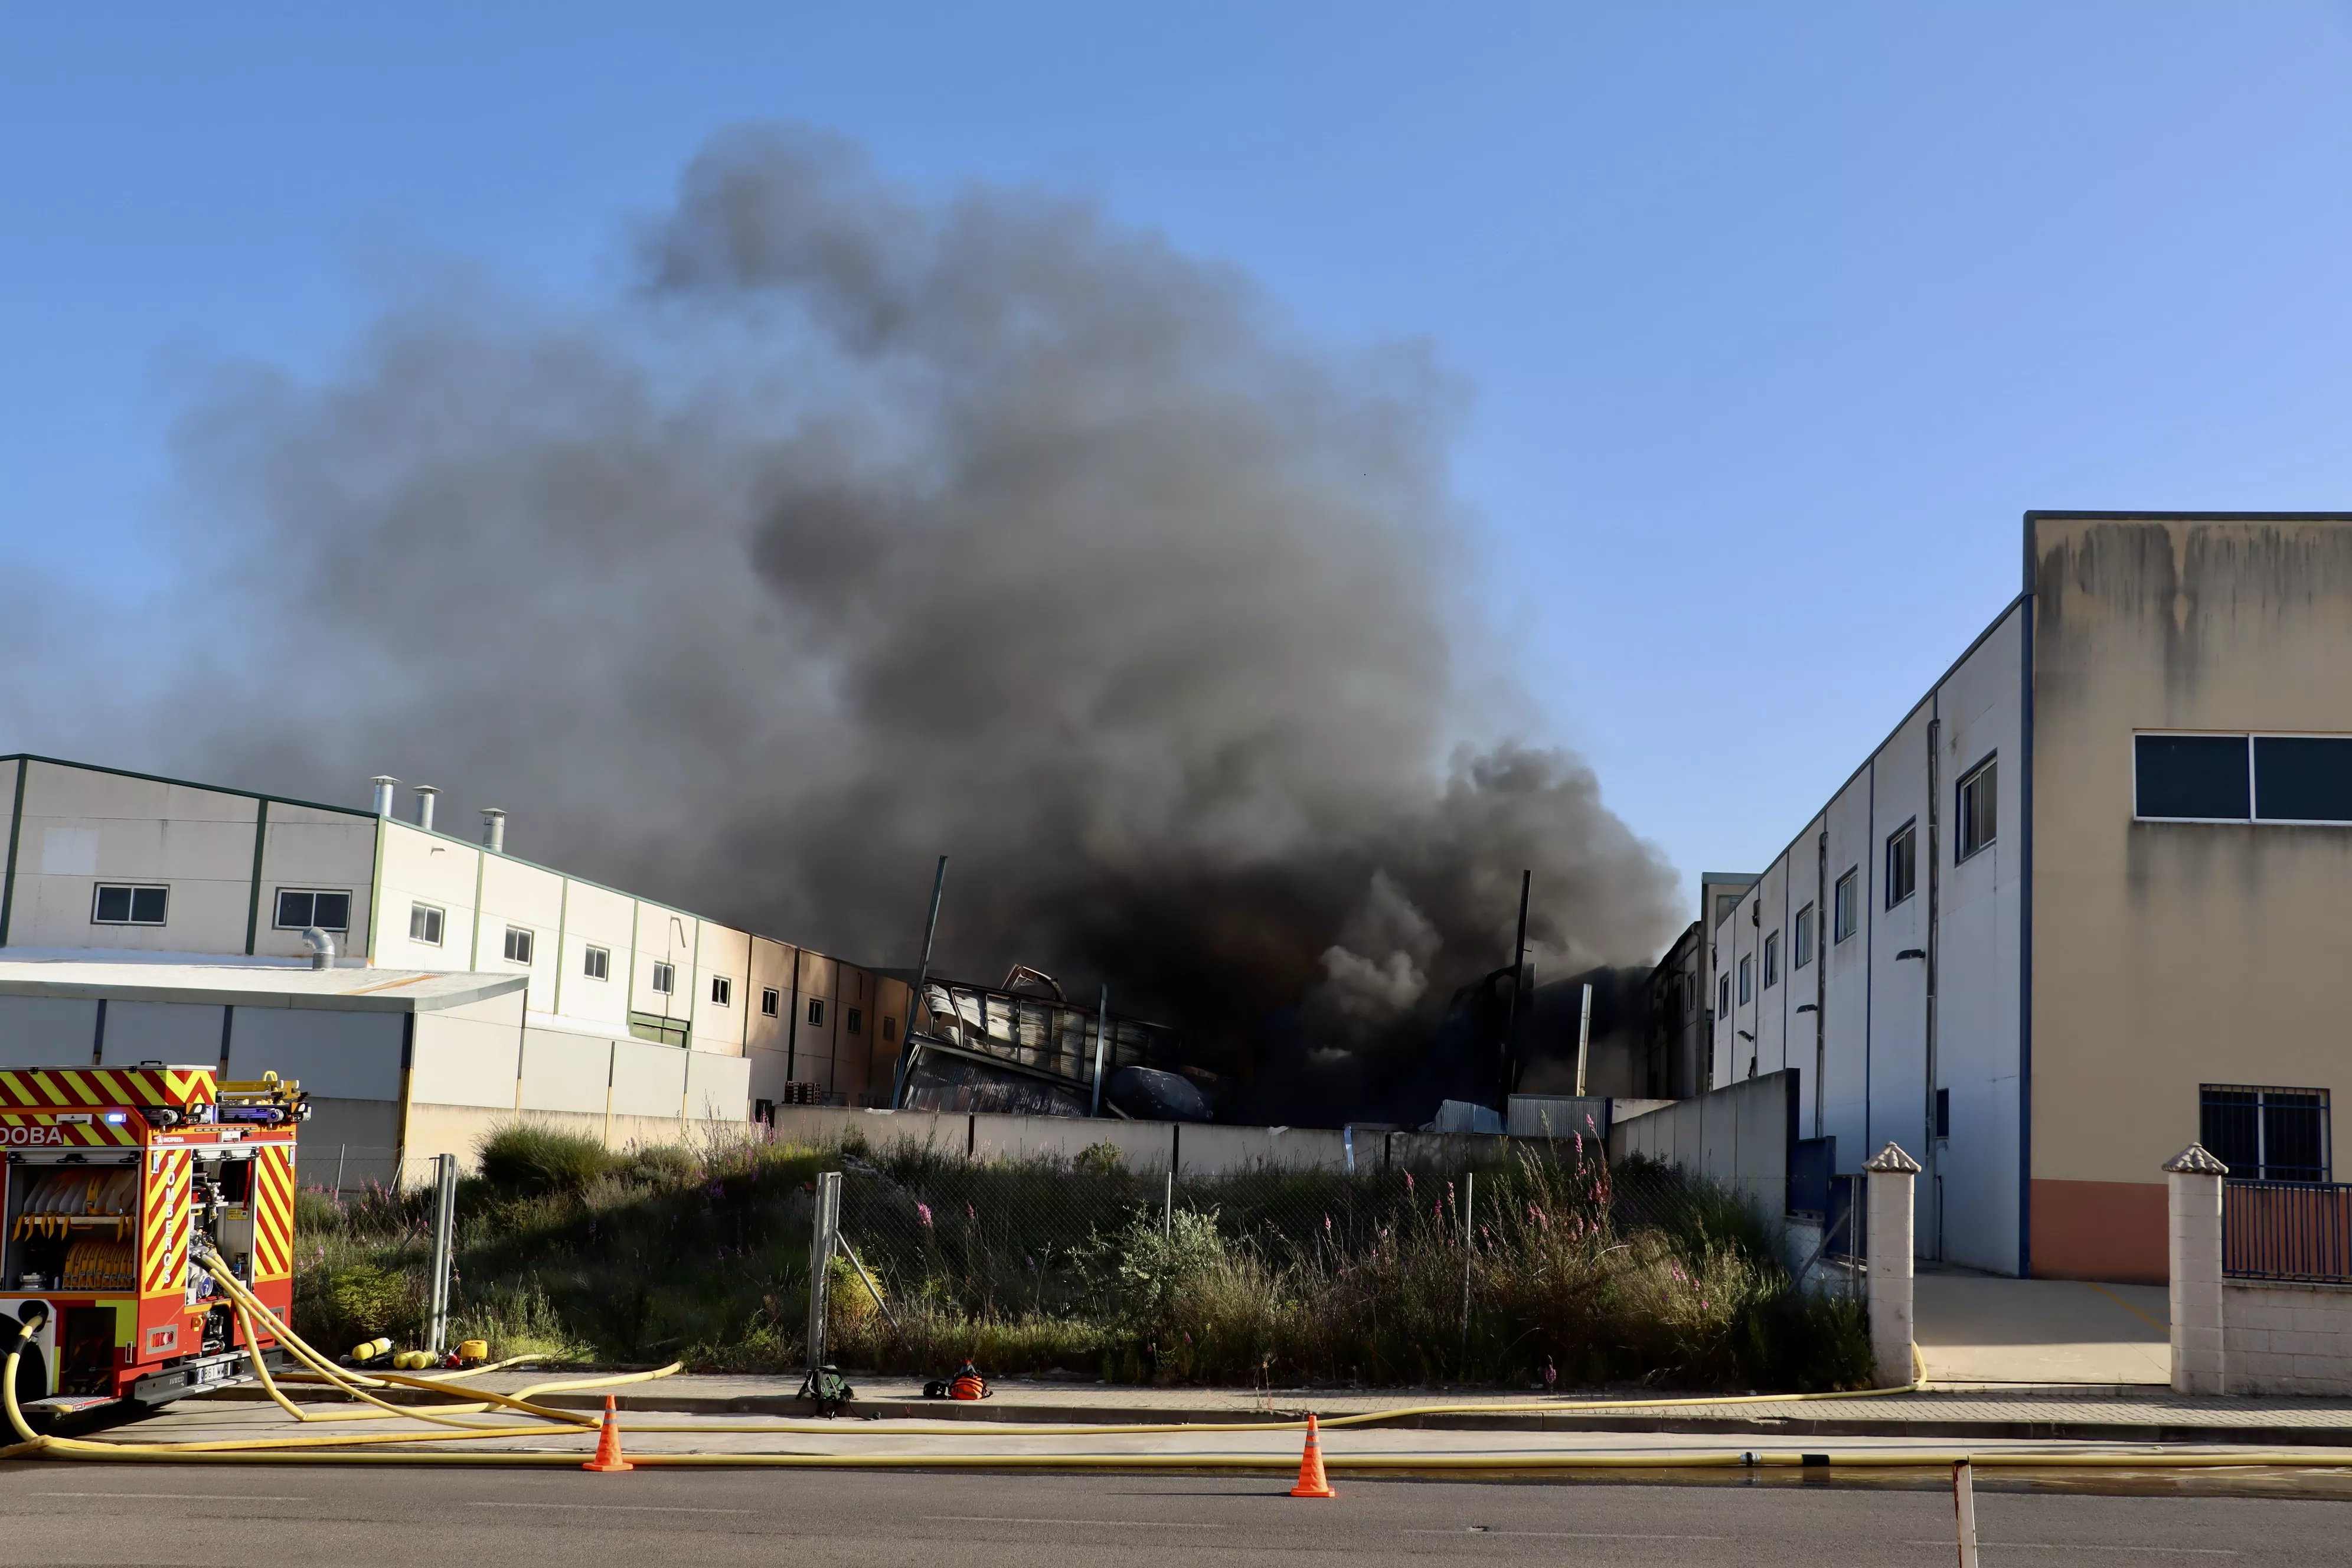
111	1173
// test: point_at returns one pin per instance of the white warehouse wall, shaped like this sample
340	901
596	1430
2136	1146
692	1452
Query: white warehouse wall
1868	1081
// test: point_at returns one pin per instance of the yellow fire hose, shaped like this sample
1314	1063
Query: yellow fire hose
548	1422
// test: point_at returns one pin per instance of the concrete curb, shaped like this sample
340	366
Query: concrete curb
645	1401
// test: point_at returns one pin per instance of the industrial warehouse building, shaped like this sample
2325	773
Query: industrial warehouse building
151	918
2087	902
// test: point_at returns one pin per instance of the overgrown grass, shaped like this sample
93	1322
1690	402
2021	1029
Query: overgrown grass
567	1250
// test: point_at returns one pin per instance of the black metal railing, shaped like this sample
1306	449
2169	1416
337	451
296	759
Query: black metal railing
2287	1230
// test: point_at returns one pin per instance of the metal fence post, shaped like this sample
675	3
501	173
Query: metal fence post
444	1223
824	1233
1469	1203
1168	1209
341	1152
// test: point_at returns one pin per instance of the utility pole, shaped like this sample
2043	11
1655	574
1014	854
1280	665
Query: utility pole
1102	1027
922	976
1511	1008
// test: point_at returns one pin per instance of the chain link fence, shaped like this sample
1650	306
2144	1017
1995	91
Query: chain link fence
1540	1264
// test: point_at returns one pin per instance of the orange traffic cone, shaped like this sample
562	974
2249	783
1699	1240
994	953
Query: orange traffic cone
1312	1481
608	1445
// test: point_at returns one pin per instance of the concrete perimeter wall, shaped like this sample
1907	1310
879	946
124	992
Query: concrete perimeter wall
1192	1148
1739	1136
2278	1338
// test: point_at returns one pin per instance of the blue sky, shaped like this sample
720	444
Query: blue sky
1775	319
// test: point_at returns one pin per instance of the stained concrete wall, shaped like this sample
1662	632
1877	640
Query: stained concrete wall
2166	954
1738	1136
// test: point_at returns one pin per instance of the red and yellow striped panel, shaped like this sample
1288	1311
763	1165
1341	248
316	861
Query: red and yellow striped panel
164	1223
79	1089
273	1212
42	1129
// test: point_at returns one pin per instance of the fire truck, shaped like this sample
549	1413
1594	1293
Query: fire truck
111	1174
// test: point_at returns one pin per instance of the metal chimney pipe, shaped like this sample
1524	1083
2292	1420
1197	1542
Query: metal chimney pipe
321	946
494	828
424	793
384	785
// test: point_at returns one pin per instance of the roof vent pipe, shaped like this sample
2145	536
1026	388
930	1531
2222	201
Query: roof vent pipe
321	946
424	793
494	828
384	785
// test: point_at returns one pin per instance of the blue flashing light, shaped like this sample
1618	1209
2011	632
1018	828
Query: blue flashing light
117	1117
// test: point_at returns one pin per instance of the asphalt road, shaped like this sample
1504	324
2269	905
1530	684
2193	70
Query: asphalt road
63	1515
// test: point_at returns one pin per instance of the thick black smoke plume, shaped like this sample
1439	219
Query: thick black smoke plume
864	527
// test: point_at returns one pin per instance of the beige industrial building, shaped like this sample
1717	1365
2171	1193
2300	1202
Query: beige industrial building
146	917
2085	902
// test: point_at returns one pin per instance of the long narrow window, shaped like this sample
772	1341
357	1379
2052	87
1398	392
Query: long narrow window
1804	941
1902	863
1771	960
1980	818
1746	980
1723	1008
1844	912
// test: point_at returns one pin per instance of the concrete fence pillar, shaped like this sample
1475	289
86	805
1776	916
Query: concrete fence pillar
2195	1201
1891	1173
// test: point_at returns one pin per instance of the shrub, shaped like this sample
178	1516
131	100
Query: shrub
1098	1160
524	1159
317	1215
337	1305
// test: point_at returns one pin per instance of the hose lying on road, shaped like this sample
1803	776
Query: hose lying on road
547	1422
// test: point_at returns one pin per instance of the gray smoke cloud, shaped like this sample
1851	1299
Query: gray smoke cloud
865	525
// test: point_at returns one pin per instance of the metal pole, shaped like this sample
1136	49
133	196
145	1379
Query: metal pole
1964	1508
341	1150
445	1223
1168	1208
922	976
1469	1203
1583	1039
822	1232
1102	1026
1511	1008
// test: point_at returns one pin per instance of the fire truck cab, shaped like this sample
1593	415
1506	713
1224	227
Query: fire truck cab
110	1176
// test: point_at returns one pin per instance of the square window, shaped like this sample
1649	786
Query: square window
665	978
772	1002
2303	778
816	1010
2191	778
723	990
856	1022
1979	819
424	922
598	964
1902	863
1771	960
1844	913
519	944
119	906
1746	981
2265	1135
1804	943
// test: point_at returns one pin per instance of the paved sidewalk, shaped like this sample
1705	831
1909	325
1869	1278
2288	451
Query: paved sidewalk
1979	1328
